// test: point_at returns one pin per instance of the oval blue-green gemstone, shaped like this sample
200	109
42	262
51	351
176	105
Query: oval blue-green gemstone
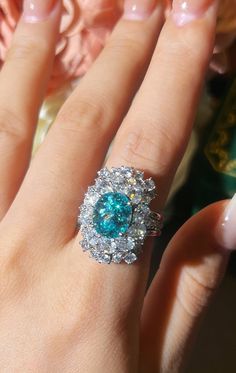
112	215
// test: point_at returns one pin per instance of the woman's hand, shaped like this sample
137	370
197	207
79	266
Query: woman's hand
60	310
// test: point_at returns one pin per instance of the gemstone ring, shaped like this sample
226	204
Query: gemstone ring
115	217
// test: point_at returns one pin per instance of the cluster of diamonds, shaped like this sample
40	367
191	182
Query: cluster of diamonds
127	246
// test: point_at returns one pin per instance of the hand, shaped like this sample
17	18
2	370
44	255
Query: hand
60	310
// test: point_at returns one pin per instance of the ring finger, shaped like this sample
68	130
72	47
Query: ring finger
155	132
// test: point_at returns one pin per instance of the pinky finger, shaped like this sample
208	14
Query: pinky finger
190	272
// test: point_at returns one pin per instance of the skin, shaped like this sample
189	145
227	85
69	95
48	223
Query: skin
61	311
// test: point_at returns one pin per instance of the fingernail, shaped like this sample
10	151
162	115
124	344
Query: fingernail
37	10
138	10
227	227
220	63
185	11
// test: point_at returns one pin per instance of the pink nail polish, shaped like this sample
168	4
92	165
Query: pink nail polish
138	10
185	11
226	230
37	10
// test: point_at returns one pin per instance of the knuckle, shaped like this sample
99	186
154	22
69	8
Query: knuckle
12	127
95	303
20	51
188	48
194	293
136	149
119	46
145	147
85	115
25	48
13	275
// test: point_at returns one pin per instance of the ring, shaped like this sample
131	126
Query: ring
115	217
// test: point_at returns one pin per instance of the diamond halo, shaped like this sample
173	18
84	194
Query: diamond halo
115	217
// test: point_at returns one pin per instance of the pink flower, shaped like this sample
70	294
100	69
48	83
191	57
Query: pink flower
84	29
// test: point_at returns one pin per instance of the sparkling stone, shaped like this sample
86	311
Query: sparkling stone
148	197
106	258
126	171
130	258
112	215
94	241
85	245
103	185
135	196
121	244
139	174
117	257
143	210
125	244
113	247
86	231
149	185
85	216
132	181
104	173
141	214
130	244
101	257
138	231
91	198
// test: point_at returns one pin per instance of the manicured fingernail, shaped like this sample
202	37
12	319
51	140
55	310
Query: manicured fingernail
185	11
37	10
227	228
138	9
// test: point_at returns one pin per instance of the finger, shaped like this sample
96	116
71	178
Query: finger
77	143
154	134
156	130
190	272
23	81
152	138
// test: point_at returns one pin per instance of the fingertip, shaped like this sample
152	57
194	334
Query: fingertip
36	11
225	230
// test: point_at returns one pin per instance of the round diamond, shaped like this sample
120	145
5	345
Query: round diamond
135	196
149	185
130	258
130	244
112	215
138	231
117	257
91	198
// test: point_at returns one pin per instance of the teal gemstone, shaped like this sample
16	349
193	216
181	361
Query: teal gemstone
112	215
